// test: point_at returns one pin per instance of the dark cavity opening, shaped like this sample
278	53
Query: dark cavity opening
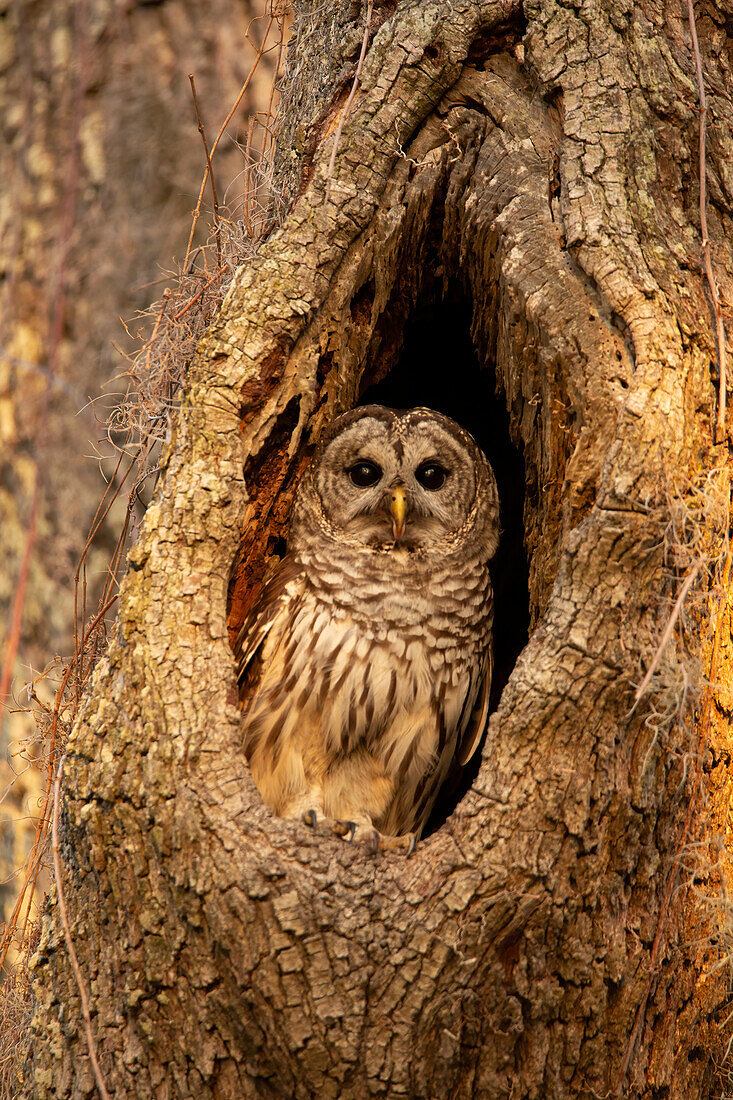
439	368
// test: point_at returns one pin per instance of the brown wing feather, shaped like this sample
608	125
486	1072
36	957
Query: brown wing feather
470	736
411	809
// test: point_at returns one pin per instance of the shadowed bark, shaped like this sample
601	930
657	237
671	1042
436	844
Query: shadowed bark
540	163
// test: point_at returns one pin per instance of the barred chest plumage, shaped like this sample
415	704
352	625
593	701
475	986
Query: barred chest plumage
377	666
404	601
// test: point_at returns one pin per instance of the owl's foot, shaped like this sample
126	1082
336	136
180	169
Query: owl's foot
373	840
345	829
407	843
341	828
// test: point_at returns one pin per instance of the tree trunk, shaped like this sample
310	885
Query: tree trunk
528	176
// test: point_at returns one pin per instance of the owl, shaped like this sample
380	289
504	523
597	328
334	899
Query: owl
365	667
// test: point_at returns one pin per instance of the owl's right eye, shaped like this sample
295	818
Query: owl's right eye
365	474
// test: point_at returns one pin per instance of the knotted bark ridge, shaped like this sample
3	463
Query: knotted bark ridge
228	953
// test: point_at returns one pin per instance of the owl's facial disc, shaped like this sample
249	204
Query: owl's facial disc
396	480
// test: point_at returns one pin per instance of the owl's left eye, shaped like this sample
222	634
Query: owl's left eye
431	475
365	474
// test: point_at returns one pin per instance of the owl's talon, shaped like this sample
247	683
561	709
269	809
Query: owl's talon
407	842
310	818
372	839
345	829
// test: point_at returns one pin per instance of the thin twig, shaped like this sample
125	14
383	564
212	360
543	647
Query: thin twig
34	863
91	1045
192	301
21	584
705	242
225	123
209	169
667	633
163	307
268	155
247	171
238	100
350	100
691	807
99	518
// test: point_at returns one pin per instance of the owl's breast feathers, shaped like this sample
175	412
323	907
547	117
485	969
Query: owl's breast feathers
382	660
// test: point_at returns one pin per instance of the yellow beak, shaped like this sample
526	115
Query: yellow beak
398	508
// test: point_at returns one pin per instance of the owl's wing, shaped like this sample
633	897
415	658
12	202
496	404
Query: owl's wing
413	804
474	723
280	589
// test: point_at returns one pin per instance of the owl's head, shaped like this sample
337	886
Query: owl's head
399	480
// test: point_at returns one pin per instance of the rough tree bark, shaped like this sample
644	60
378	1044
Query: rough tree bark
542	156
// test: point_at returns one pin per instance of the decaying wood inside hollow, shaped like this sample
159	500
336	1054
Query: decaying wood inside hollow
537	163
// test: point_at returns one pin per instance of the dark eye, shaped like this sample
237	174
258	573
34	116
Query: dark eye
365	474
431	475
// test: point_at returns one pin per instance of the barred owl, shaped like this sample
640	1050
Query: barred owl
365	668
